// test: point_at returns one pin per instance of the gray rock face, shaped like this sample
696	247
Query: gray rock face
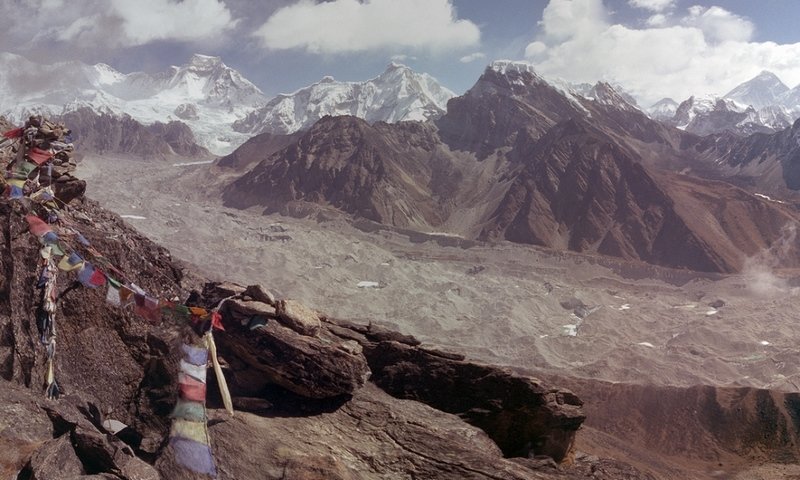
523	417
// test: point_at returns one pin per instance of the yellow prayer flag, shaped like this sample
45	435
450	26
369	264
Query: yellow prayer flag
189	430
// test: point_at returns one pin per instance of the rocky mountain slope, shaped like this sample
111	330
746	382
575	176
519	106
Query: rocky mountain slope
528	294
108	133
298	380
396	95
517	159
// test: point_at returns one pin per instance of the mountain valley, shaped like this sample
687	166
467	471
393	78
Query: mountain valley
565	236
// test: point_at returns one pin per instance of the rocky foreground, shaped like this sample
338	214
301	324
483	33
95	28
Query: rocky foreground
316	397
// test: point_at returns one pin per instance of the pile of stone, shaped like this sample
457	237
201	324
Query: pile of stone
40	154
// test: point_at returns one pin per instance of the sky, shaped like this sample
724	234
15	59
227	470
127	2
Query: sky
653	48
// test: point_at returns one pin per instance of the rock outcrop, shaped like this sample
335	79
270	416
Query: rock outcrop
522	416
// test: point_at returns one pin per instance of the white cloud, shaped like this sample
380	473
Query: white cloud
657	20
719	24
534	49
472	57
345	26
652	5
565	19
402	57
144	21
707	50
60	29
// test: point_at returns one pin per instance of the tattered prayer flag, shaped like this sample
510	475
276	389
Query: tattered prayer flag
216	321
98	278
57	249
194	411
15	133
193	456
43	195
112	295
14	191
38	155
70	262
24	168
182	309
16	182
43	278
37	225
49	237
195	355
125	296
113	281
147	308
200	312
191	389
86	275
189	430
198	372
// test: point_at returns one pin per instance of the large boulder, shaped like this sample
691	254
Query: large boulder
524	417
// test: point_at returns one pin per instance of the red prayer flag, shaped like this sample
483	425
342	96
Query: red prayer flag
191	389
39	156
15	133
37	226
216	321
98	278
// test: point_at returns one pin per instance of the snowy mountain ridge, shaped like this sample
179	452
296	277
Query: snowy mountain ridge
761	104
398	94
215	93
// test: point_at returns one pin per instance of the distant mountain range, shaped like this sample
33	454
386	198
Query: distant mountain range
204	93
517	158
396	95
222	108
763	104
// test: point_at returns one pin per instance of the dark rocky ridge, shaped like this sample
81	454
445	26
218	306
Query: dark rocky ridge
104	133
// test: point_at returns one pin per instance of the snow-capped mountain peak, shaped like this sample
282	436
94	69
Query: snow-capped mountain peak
761	91
512	67
205	93
604	94
663	109
397	94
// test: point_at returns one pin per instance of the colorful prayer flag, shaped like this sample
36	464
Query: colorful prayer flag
194	411
193	456
198	372
195	355
39	156
37	226
70	262
14	191
189	430
85	274
112	295
216	321
191	389
15	133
